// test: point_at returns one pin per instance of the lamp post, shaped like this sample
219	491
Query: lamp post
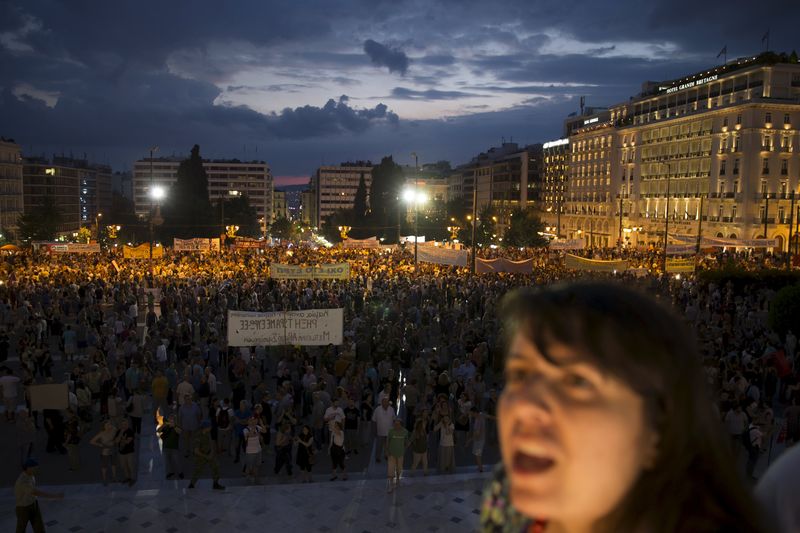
97	225
157	194
411	196
153	194
416	211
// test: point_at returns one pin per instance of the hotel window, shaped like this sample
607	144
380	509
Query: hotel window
725	122
735	186
722	166
736	143
781	215
784	167
763	186
762	213
733	212
786	119
736	166
739	119
768	118
784	188
765	165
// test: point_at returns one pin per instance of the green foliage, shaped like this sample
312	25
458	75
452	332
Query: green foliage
785	309
385	203
41	222
187	211
282	228
524	230
360	201
484	233
85	235
123	213
238	211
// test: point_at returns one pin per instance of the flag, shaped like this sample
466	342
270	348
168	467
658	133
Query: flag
724	51
765	38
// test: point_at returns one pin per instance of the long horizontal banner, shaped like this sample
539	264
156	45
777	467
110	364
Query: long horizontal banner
247	243
200	244
442	256
707	242
369	243
75	248
311	327
142	251
581	263
567	244
681	249
331	271
680	265
489	266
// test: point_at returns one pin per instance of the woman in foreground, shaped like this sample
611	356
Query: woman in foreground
605	423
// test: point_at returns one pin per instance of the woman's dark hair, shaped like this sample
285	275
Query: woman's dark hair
693	484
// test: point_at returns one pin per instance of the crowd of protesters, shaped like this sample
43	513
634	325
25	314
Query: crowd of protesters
419	367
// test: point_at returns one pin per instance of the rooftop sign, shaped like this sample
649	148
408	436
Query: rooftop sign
688	84
553	144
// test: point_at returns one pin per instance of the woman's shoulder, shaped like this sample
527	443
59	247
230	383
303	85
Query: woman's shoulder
497	513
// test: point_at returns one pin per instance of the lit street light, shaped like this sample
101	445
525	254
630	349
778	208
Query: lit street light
157	193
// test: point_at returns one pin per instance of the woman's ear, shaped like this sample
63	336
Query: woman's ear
650	447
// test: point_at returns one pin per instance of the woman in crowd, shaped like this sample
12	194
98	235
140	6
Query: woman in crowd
606	424
337	452
305	453
106	440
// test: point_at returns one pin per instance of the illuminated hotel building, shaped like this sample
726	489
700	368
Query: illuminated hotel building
720	147
555	167
591	182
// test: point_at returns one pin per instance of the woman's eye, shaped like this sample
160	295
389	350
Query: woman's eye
576	381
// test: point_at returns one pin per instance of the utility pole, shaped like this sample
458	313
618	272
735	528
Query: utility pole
474	219
666	220
766	216
416	208
789	244
700	226
153	149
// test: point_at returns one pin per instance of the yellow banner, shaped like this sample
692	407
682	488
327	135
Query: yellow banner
329	271
142	252
581	263
680	265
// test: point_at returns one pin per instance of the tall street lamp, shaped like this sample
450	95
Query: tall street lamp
412	196
157	193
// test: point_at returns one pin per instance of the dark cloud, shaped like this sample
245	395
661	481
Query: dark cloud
382	55
432	94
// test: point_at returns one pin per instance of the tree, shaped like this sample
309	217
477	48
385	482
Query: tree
785	309
360	201
385	208
238	212
123	214
524	229
187	211
282	228
41	222
84	235
485	232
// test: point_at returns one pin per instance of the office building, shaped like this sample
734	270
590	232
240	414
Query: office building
555	171
11	198
81	190
335	187
279	207
226	178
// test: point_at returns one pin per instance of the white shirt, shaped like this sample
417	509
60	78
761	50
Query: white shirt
252	439
333	415
212	383
161	353
383	418
446	434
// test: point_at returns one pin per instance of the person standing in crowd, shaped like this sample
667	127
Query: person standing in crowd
477	435
189	421
337	451
224	417
396	444
608	432
240	418
170	435
252	439
352	416
306	453
204	456
135	410
25	494
72	438
446	431
26	433
105	440
159	387
283	449
10	385
419	446
383	416
126	448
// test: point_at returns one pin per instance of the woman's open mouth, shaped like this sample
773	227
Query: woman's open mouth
524	463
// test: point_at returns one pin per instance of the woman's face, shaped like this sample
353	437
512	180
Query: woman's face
573	439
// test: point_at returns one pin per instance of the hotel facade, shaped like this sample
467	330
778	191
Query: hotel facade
718	152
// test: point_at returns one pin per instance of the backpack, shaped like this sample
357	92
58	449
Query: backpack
223	419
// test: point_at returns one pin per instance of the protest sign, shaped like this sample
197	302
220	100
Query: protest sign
680	265
501	264
142	251
329	271
567	244
310	327
581	263
442	256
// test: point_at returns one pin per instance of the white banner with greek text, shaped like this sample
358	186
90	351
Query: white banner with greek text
311	327
442	256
